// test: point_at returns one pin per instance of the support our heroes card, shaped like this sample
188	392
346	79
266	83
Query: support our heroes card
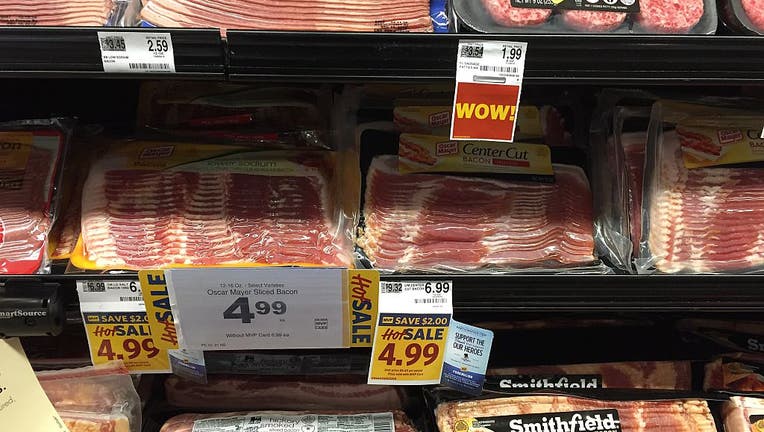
466	359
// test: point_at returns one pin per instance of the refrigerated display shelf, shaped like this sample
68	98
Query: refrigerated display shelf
59	52
556	293
579	59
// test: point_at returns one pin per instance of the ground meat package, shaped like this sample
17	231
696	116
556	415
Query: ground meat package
31	154
703	206
743	16
652	17
88	399
153	204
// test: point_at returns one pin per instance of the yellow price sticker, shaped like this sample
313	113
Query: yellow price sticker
123	336
409	348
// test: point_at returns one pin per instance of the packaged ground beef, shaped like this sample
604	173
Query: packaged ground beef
743	16
591	16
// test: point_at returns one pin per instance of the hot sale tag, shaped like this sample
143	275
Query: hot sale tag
489	76
117	326
411	332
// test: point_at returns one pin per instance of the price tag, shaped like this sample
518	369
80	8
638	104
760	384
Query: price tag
489	76
411	332
117	325
259	308
136	52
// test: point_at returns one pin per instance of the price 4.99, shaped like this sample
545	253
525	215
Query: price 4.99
132	348
240	309
412	354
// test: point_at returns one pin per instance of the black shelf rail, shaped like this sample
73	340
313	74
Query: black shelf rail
60	52
580	59
559	293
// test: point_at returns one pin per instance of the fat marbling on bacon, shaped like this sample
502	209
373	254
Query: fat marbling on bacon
94	13
425	221
707	219
310	15
635	416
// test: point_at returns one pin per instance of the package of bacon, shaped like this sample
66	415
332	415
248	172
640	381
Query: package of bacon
738	373
31	154
101	398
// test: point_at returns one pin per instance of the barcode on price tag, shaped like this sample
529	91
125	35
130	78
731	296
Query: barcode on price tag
137	52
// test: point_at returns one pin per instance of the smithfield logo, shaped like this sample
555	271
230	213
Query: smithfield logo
550	382
577	421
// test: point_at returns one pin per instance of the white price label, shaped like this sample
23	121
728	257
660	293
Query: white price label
425	296
489	78
261	308
275	422
493	62
110	296
136	52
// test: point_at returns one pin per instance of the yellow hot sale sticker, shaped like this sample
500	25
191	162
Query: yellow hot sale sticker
408	348
123	336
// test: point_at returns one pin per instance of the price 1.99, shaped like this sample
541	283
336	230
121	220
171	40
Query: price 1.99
132	348
412	354
241	310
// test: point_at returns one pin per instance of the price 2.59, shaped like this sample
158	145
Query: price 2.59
240	309
159	45
412	353
132	348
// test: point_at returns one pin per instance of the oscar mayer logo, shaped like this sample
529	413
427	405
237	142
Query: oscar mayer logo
485	111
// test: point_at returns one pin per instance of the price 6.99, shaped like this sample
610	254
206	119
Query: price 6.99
412	353
240	309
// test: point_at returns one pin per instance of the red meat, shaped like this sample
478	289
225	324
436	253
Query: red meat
754	9
593	21
505	14
421	221
670	16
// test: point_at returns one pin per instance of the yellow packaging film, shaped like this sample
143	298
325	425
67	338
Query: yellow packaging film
363	304
437	120
712	141
23	403
427	153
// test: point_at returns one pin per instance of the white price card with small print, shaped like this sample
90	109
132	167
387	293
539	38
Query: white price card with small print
489	77
258	308
136	52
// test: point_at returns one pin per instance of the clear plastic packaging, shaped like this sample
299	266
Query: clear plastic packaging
743	414
743	16
31	154
655	375
738	373
296	392
543	412
258	117
94	398
655	17
165	204
699	218
291	421
435	222
318	15
618	137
